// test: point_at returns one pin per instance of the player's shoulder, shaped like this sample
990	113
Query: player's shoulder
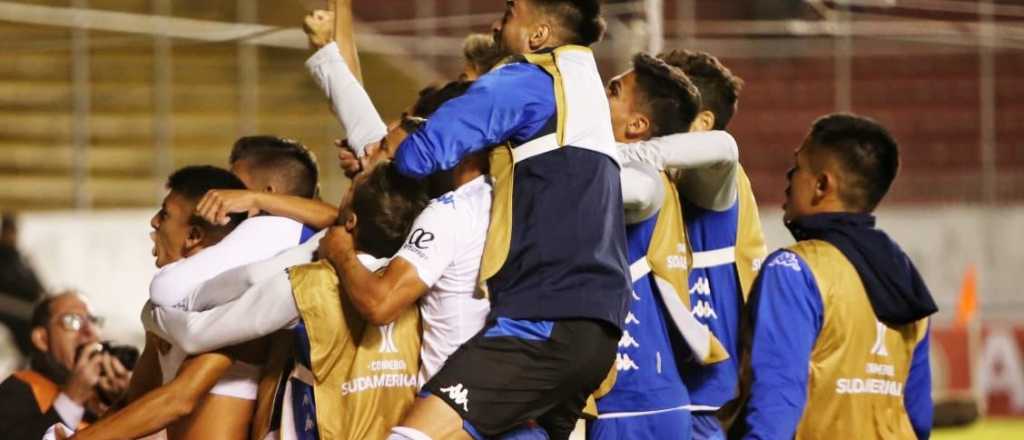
784	260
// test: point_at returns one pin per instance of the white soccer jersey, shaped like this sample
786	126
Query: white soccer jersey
255	239
446	245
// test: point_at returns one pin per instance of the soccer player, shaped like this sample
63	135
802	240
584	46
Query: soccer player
268	163
724	242
555	260
840	328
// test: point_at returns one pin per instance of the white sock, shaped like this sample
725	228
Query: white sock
406	433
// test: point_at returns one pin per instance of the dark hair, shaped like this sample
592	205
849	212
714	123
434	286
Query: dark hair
719	87
869	156
283	157
192	182
386	204
671	100
581	19
42	311
432	97
480	51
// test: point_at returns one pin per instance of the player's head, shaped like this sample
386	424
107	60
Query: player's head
531	25
719	87
651	99
480	54
432	97
380	207
61	325
275	164
177	231
846	164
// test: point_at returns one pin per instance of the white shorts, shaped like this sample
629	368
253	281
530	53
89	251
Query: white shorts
241	381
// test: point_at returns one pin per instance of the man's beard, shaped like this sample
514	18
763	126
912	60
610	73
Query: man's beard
48	366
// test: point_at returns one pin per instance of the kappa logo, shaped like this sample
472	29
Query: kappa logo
625	363
704	310
420	238
459	395
701	287
879	348
387	338
786	259
631	319
628	341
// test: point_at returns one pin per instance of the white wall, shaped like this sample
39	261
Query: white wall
107	255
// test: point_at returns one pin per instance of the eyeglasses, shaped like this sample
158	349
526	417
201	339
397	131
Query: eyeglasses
74	322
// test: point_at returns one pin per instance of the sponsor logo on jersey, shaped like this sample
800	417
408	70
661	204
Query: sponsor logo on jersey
786	259
458	395
387	338
879	348
365	383
625	363
704	310
420	238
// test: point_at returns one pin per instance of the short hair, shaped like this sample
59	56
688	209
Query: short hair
581	19
432	97
671	100
42	312
719	87
481	51
282	157
386	204
868	155
193	182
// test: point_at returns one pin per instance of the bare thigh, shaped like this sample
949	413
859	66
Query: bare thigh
216	417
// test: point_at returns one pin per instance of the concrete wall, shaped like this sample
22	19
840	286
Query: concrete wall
107	255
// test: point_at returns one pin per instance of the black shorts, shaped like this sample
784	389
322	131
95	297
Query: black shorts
514	372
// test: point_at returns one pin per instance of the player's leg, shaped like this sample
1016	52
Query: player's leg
216	417
516	371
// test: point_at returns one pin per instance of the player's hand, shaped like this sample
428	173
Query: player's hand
319	28
351	164
336	244
81	386
217	204
116	377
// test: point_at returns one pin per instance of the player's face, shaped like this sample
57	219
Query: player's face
72	325
171	229
801	185
512	32
621	92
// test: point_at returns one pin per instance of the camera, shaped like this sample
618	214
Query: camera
126	354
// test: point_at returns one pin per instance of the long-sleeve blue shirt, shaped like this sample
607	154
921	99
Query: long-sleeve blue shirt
513	102
787	314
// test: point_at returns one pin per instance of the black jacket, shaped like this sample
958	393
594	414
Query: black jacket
20	417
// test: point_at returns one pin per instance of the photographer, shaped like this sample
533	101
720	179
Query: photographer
71	379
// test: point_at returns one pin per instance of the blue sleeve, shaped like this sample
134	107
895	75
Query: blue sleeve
513	102
917	394
787	317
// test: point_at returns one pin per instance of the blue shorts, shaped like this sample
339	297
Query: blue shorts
707	427
675	424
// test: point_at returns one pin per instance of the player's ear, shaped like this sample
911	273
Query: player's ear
539	36
705	121
194	239
40	339
638	127
351	222
825	186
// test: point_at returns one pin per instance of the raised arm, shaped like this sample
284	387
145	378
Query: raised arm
787	316
335	68
512	102
709	160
